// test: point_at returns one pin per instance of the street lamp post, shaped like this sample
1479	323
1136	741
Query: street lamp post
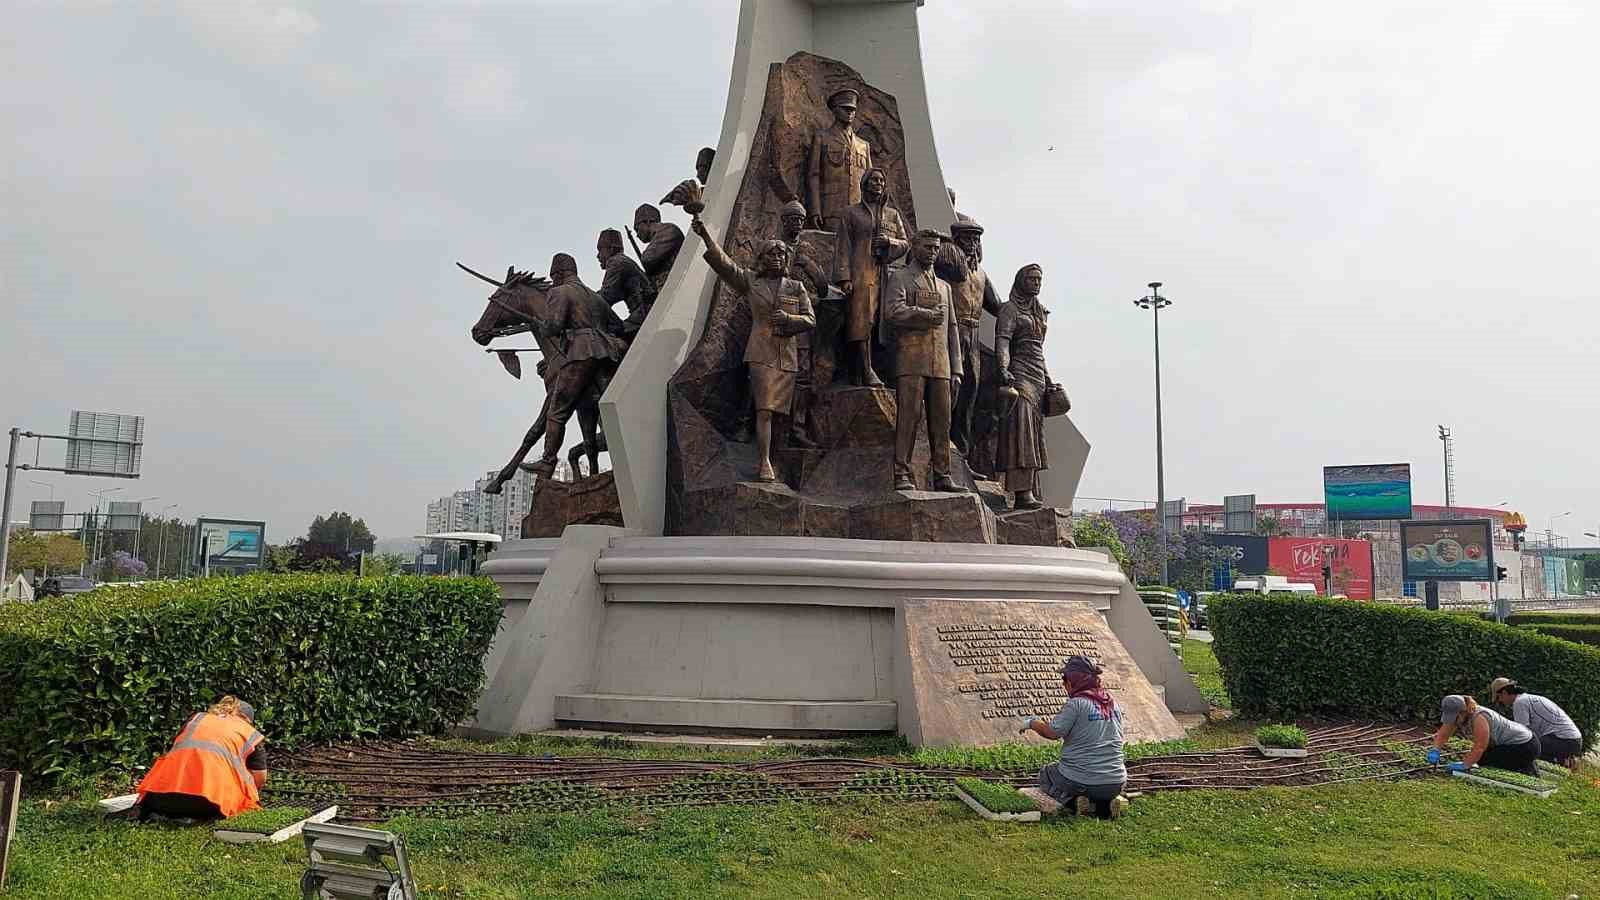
1155	302
99	526
161	555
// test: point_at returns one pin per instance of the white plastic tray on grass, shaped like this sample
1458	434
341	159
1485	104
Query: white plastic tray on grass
980	809
276	837
1505	785
117	804
1283	752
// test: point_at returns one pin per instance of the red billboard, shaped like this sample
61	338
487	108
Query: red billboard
1302	559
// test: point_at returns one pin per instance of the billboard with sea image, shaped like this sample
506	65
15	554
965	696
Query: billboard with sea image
1447	550
1360	493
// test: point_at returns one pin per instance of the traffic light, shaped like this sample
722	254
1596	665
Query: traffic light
1499	573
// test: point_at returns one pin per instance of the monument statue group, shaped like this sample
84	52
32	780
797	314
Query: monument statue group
832	506
841	377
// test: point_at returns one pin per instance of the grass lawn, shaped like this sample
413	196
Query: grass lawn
1199	661
1433	838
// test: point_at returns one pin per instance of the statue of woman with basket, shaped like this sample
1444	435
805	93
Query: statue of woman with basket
1027	395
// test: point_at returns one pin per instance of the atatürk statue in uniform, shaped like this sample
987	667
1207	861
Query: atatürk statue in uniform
838	160
871	236
780	310
662	240
919	313
971	296
1019	348
591	348
624	281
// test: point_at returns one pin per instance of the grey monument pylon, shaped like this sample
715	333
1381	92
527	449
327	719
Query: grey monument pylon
631	628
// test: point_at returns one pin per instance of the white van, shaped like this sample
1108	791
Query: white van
1272	584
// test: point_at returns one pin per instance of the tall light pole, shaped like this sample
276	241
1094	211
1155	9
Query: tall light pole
161	555
1155	302
1449	470
45	484
98	525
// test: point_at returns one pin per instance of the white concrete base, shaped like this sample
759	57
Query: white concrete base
696	741
607	629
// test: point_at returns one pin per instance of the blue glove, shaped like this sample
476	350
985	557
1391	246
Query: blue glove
1027	724
1458	767
1433	757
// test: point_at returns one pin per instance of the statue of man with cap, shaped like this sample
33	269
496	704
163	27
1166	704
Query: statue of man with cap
805	270
590	335
662	240
838	160
970	297
624	281
918	310
780	311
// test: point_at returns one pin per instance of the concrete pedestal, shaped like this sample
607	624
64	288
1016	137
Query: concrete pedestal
766	634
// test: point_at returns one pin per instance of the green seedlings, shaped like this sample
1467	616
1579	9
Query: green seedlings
1551	770
997	798
1518	779
264	821
1281	737
897	783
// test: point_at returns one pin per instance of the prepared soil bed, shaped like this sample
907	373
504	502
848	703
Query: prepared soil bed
374	781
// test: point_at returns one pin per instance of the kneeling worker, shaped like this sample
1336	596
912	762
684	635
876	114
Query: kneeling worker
1092	773
1560	741
215	768
1496	740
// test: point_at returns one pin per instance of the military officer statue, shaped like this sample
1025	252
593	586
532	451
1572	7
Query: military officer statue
838	160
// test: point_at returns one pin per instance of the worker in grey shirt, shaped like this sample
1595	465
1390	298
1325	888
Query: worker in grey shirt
1560	741
1091	774
1496	740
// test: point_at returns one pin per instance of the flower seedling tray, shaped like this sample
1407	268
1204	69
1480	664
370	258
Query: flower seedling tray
991	815
1541	793
223	833
1283	752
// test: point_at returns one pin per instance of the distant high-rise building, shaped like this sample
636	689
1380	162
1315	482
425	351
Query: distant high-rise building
475	510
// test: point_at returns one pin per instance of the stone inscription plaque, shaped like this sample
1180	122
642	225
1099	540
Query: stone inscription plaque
977	668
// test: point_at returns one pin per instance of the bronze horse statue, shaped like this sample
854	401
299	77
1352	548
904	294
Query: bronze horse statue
518	305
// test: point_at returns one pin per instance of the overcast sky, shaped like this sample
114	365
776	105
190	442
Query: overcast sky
238	219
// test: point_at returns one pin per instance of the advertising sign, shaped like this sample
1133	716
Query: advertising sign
232	544
1447	550
1575	576
1245	554
1302	559
1358	493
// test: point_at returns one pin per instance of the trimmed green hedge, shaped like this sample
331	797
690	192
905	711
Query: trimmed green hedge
1553	618
1578	634
104	680
1285	657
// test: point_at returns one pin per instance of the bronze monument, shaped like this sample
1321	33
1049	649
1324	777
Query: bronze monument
624	281
1019	344
919	314
702	163
662	241
780	310
870	237
590	338
838	160
971	296
805	270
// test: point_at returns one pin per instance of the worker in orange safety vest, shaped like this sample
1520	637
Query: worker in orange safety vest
215	768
